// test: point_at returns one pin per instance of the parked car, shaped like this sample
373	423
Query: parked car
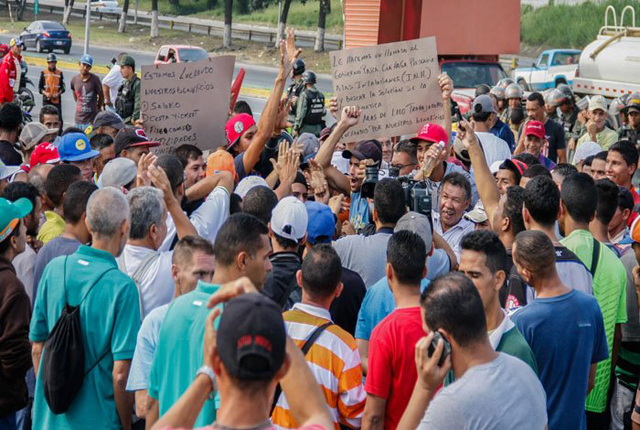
105	6
46	35
179	54
552	68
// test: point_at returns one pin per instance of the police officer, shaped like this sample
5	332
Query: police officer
513	95
310	109
51	84
128	100
631	131
295	88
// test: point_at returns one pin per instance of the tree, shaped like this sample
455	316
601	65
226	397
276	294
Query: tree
228	12
68	6
21	7
282	22
323	10
154	18
211	4
175	4
123	17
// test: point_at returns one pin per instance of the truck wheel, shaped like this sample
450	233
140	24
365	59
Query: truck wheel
523	84
38	46
560	82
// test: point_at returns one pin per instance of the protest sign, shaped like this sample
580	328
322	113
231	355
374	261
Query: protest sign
395	85
186	102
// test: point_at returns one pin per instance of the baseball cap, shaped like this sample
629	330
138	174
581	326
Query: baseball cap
367	149
482	104
16	41
321	225
461	151
75	147
633	103
477	215
516	166
220	160
107	118
118	173
32	133
586	149
127	60
86	59
45	153
249	182
251	337
597	102
418	224
289	219
236	126
325	133
130	136
11	213
310	144
8	171
535	128
431	133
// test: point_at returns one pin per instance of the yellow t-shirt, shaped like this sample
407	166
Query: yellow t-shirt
52	228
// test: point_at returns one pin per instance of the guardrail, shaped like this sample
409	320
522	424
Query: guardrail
193	25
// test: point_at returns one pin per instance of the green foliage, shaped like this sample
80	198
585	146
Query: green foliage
568	26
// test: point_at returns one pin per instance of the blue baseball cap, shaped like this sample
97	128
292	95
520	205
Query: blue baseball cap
321	225
76	147
87	59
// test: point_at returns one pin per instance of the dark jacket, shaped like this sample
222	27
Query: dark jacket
344	309
282	278
15	348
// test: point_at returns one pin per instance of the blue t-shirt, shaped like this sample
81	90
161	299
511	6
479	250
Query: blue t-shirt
377	304
358	211
502	130
566	334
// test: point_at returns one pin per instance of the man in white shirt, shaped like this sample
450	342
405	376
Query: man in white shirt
484	115
453	201
111	83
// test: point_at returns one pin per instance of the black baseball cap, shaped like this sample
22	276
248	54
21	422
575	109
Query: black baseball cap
367	149
251	339
132	136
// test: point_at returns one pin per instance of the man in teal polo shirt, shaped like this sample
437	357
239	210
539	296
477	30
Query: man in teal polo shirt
109	320
579	201
241	248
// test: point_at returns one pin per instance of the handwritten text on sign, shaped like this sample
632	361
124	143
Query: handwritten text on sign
187	102
395	85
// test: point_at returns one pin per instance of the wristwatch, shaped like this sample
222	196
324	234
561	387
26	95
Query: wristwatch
206	370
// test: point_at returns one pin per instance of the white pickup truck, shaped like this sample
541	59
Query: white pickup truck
552	68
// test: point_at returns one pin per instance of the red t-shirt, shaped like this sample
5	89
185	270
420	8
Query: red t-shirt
636	200
392	367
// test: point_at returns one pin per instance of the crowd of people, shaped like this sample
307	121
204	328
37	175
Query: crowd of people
484	279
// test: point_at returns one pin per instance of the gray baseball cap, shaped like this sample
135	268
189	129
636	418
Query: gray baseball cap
482	104
118	172
418	224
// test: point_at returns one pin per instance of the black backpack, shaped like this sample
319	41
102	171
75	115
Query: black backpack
62	364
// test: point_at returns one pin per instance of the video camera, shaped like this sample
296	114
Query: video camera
416	194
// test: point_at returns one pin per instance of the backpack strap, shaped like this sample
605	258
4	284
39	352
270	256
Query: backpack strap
305	349
595	257
287	292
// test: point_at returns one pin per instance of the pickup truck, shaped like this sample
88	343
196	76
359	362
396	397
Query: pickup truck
552	68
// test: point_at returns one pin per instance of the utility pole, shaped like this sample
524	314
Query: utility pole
87	27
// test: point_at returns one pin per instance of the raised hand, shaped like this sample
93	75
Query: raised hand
430	375
446	86
350	115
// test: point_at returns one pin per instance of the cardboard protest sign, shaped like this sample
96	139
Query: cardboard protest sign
186	102
395	85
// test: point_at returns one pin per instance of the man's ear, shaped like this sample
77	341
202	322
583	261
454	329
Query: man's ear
526	216
299	278
241	260
389	272
216	363
499	277
375	214
174	272
339	290
506	224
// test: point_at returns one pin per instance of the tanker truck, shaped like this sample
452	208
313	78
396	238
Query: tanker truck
610	65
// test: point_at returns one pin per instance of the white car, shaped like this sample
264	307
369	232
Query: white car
105	6
552	68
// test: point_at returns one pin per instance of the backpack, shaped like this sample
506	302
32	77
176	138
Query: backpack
62	365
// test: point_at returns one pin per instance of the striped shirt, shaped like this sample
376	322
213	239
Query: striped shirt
334	360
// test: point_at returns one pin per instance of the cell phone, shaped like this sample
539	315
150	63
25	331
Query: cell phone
446	351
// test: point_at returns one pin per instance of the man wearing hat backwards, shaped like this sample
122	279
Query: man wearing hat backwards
128	100
32	135
631	131
15	348
51	84
87	93
10	71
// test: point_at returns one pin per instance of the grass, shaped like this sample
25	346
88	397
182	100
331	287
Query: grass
137	37
564	26
301	16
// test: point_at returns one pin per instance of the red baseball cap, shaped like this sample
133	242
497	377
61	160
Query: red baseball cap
45	153
236	127
535	128
431	133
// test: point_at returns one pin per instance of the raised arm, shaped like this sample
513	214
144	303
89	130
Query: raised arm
485	182
180	219
203	188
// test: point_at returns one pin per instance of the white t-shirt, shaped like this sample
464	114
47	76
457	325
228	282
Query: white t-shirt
495	149
24	264
113	80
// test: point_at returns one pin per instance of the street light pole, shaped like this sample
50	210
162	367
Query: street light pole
87	27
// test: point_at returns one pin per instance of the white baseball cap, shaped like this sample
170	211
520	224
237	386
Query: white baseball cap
597	102
249	182
289	219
